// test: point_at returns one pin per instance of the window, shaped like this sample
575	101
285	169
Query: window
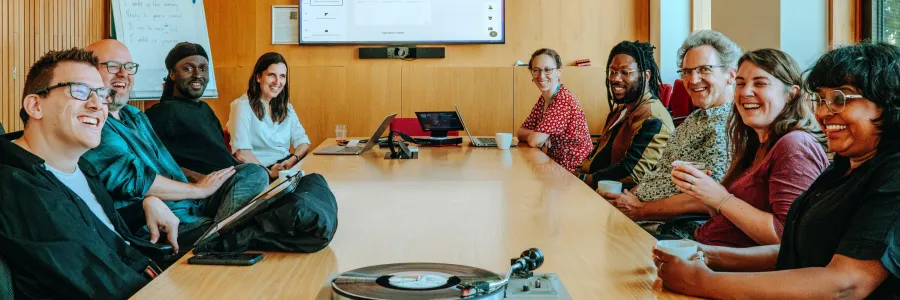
881	20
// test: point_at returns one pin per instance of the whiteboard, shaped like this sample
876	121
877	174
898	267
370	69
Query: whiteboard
150	28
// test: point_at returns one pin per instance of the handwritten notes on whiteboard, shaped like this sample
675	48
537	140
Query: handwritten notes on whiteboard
150	28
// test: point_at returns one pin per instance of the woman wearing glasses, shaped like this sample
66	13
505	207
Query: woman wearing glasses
776	150
556	121
837	241
263	124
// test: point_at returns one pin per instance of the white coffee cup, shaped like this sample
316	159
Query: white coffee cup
681	248
503	140
609	186
698	165
283	174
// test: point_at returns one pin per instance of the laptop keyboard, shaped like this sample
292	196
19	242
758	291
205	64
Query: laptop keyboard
350	150
488	140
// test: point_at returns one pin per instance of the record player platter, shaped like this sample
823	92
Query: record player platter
447	281
410	281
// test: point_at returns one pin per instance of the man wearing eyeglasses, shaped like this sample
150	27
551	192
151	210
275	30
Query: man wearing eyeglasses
638	126
59	231
134	163
708	68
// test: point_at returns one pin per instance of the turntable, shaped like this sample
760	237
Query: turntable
448	281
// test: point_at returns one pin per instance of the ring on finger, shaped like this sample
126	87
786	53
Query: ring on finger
691	187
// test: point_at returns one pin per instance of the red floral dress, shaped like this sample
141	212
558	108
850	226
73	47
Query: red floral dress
564	121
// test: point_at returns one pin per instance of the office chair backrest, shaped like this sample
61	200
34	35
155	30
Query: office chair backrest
665	94
411	127
680	103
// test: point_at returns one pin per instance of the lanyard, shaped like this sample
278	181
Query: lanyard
548	102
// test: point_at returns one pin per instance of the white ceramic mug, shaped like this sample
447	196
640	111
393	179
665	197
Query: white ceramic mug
609	186
681	248
698	165
503	140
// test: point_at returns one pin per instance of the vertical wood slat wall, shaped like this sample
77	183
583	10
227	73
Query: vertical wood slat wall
30	28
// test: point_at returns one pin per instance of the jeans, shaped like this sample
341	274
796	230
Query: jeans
248	181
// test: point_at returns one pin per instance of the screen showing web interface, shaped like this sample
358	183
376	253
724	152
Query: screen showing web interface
439	121
401	21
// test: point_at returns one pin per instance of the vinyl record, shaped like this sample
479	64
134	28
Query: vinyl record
410	281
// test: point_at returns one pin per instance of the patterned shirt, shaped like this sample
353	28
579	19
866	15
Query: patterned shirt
701	138
564	121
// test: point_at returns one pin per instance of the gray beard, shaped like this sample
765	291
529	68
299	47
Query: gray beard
117	104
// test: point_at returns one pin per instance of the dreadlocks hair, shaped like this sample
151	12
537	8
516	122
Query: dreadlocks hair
643	54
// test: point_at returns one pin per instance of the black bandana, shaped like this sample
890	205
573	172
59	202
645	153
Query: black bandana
179	52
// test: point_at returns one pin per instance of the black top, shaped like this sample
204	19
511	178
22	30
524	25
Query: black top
54	245
891	258
848	215
192	134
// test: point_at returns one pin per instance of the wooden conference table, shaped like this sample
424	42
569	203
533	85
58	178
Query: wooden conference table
461	205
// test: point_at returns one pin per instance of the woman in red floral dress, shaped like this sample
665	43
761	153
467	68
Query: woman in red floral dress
557	123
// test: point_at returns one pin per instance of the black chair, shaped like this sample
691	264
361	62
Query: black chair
668	225
6	284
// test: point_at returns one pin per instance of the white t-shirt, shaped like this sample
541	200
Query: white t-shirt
268	141
78	183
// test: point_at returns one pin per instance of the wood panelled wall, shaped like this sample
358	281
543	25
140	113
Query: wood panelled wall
29	29
330	85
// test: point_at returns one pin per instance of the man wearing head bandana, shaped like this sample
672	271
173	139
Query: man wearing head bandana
638	126
186	125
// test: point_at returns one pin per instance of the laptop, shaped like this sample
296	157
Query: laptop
478	141
273	192
357	150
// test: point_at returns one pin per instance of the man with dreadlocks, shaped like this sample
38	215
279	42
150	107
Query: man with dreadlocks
707	60
638	126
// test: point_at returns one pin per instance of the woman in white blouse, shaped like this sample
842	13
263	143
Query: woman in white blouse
262	122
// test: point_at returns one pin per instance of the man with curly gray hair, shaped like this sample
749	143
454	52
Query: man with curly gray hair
707	65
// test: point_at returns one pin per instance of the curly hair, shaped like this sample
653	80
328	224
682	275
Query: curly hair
874	69
726	49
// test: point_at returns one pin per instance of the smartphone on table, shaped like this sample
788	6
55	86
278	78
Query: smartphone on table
226	258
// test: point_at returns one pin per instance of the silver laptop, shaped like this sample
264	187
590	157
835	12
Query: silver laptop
357	150
478	141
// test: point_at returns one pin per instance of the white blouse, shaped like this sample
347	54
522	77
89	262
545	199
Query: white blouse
268	141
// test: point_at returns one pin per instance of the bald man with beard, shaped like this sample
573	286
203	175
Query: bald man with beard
133	163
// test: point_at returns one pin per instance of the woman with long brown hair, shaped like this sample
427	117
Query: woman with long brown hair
777	152
263	124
